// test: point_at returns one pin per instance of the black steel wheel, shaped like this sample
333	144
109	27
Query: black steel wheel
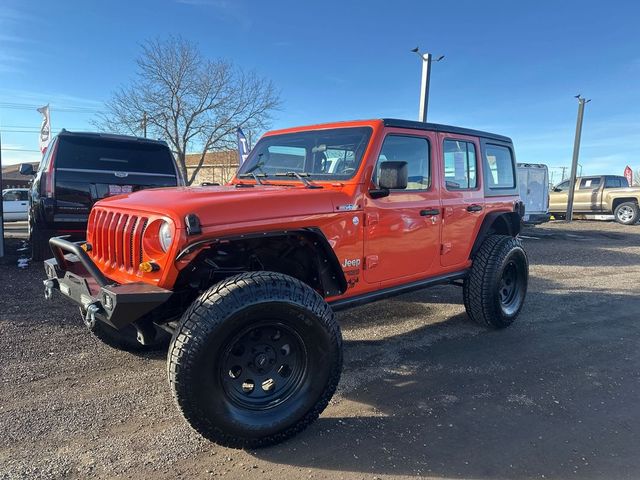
255	360
263	366
495	290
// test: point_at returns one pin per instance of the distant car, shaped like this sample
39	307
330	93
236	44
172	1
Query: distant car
533	181
15	204
78	169
598	195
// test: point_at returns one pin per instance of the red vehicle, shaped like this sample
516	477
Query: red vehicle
246	277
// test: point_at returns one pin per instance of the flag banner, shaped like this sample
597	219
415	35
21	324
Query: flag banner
243	147
629	174
45	128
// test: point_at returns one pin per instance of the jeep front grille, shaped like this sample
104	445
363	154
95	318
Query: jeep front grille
117	239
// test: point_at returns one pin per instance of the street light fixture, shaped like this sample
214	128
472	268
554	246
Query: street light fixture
427	58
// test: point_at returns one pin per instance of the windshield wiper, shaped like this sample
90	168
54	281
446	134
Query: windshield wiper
300	176
255	176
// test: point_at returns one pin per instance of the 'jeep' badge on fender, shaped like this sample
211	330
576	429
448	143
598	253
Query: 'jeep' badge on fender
351	263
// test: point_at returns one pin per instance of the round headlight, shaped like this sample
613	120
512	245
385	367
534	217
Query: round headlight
165	236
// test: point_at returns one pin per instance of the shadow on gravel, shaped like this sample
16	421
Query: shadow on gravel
554	396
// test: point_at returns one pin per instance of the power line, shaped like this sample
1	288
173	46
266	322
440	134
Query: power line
28	106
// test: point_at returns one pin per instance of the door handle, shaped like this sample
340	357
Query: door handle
474	208
426	213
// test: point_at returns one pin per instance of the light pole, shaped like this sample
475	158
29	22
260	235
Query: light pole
576	151
424	83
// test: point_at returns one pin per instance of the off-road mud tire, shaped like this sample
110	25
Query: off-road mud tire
483	292
246	308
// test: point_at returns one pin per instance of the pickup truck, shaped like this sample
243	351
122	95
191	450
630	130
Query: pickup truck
600	195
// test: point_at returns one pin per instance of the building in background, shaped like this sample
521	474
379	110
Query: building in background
218	167
11	177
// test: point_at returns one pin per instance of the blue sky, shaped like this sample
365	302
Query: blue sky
511	67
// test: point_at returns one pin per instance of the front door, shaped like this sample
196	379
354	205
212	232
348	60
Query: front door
402	230
587	195
462	197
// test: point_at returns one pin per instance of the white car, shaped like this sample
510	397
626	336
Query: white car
15	204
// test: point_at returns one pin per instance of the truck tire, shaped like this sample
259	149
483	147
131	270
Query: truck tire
39	240
255	360
126	338
496	287
627	213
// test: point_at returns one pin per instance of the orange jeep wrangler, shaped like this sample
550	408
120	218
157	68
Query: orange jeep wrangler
244	279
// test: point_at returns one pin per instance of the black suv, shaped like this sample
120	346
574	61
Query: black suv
78	169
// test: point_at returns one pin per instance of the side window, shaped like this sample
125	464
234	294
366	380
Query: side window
460	165
414	151
614	182
10	196
500	166
23	195
563	186
589	183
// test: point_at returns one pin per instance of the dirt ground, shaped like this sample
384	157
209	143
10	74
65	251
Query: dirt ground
424	393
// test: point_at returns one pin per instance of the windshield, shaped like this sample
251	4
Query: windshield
333	154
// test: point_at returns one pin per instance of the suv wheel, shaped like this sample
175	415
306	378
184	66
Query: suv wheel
255	360
627	213
496	287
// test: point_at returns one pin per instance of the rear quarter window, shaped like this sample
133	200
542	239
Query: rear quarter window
500	167
114	155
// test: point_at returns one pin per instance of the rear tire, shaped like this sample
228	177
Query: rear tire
627	213
255	360
495	290
39	240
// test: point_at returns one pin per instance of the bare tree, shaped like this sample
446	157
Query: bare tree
636	178
192	102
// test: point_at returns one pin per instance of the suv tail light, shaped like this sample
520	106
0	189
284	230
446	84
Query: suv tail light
49	179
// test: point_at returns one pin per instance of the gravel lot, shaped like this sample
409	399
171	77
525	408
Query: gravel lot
424	392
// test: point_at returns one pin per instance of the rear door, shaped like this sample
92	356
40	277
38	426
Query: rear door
90	168
462	196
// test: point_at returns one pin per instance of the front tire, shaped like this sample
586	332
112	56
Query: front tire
495	290
627	213
39	240
255	360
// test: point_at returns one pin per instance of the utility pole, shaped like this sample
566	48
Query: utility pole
424	83
144	124
576	151
1	209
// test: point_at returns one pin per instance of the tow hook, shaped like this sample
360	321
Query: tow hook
90	316
49	285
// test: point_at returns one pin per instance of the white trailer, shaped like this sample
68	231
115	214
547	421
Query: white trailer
533	181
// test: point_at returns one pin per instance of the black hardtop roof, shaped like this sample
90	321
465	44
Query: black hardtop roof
436	127
109	136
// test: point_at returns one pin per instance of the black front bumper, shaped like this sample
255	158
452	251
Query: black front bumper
73	273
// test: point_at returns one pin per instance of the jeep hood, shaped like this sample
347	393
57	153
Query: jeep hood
229	204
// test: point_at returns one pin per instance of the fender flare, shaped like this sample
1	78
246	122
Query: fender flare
330	271
508	223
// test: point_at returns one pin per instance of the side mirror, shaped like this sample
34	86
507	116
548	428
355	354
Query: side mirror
26	169
393	176
556	189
